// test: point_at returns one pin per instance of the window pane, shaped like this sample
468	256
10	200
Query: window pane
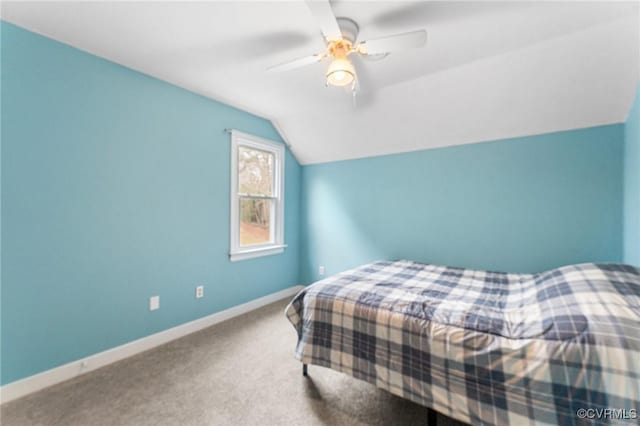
255	171
255	221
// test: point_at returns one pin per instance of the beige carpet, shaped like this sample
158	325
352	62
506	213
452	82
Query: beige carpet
240	372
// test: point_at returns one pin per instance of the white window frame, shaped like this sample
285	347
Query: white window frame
237	252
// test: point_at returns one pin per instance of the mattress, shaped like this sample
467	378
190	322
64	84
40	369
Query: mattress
487	348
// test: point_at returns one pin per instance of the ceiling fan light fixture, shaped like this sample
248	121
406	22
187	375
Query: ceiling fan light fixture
340	72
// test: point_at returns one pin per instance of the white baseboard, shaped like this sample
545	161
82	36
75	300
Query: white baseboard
39	381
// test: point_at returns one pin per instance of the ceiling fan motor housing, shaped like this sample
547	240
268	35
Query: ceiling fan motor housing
349	29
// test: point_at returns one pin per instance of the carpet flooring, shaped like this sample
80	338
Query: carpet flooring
239	372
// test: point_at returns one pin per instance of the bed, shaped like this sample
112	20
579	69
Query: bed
488	348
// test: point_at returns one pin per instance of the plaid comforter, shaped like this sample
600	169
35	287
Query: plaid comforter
559	347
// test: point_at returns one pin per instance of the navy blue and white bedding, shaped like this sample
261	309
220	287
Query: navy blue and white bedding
483	347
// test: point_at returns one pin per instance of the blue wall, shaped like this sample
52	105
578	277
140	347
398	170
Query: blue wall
115	187
521	205
632	185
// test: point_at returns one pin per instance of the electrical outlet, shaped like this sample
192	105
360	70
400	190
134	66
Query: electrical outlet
199	291
154	303
321	270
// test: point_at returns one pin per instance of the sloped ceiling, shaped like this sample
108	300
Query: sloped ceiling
489	70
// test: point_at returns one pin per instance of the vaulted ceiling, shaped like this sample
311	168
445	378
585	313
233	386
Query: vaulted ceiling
489	70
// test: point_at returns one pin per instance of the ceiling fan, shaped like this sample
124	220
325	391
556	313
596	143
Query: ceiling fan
341	35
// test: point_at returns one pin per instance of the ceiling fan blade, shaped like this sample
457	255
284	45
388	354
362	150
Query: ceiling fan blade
297	63
364	95
354	91
394	43
324	17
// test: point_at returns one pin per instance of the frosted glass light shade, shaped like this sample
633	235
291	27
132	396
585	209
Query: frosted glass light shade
340	72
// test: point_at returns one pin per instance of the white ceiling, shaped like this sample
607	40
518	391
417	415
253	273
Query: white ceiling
489	70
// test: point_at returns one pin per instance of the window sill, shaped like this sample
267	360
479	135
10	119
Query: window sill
256	252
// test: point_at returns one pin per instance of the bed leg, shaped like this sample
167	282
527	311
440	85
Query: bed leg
432	417
304	370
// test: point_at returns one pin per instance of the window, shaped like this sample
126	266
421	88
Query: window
257	197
